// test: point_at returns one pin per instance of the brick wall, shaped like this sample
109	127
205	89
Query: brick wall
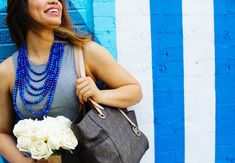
6	46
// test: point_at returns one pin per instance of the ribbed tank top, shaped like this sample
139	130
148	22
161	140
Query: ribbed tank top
65	100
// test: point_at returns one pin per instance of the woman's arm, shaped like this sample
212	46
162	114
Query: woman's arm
124	90
7	144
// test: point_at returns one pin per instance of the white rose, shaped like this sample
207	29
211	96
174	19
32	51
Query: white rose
63	121
40	150
49	121
54	140
68	140
23	127
52	124
38	131
56	127
23	143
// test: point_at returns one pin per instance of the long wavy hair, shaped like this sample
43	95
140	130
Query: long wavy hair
19	22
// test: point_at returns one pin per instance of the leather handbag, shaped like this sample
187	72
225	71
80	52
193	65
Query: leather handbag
106	134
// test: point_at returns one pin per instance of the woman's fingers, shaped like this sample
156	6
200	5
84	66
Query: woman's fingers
87	95
83	95
84	79
86	88
81	86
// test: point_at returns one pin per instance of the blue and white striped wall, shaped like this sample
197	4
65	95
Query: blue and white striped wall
183	53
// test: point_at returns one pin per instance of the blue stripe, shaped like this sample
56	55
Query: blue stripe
225	77
168	82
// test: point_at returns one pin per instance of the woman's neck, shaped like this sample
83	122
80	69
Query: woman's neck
39	45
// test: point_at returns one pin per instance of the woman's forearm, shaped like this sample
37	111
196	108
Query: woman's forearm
9	150
122	97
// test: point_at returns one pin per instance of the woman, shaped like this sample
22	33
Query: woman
40	79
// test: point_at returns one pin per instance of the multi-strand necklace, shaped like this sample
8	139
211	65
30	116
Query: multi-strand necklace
24	82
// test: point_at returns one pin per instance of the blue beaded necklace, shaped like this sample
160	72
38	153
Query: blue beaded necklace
49	76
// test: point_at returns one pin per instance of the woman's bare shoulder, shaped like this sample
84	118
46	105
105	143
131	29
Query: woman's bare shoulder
6	69
93	48
96	53
97	57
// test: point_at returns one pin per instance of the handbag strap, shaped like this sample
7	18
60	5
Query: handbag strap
80	70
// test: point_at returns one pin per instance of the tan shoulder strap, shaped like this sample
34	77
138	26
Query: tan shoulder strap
80	70
79	62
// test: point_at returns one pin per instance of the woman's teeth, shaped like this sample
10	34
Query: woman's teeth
53	10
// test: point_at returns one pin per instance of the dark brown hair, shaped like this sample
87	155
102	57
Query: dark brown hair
19	22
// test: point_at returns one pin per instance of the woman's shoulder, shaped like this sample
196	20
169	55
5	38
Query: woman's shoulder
6	68
4	65
95	52
97	58
93	48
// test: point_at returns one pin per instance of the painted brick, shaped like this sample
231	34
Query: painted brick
228	154
3	5
6	50
166	156
230	108
225	45
5	36
76	18
79	4
105	6
104	24
2	20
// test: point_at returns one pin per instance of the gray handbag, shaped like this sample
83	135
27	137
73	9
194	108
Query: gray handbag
106	134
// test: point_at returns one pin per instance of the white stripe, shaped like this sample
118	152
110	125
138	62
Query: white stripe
199	81
134	54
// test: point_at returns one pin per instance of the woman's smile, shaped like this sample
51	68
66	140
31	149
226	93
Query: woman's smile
54	10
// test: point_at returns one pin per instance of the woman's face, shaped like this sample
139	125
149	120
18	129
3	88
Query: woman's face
46	12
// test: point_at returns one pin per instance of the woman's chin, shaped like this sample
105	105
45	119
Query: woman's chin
52	25
55	24
52	22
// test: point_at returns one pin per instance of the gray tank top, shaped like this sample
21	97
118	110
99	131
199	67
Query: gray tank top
65	100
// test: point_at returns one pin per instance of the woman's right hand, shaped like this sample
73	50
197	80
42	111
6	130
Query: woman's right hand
42	161
26	160
30	160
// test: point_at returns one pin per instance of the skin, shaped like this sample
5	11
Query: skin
99	64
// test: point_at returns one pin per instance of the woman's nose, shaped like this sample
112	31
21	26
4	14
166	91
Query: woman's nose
53	1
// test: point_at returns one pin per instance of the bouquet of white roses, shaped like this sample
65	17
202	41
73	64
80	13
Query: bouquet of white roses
41	138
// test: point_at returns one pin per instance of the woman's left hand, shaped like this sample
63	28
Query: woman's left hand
86	88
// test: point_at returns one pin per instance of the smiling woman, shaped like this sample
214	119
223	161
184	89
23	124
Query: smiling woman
39	79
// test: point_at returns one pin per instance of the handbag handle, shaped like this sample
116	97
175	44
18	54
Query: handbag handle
80	70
